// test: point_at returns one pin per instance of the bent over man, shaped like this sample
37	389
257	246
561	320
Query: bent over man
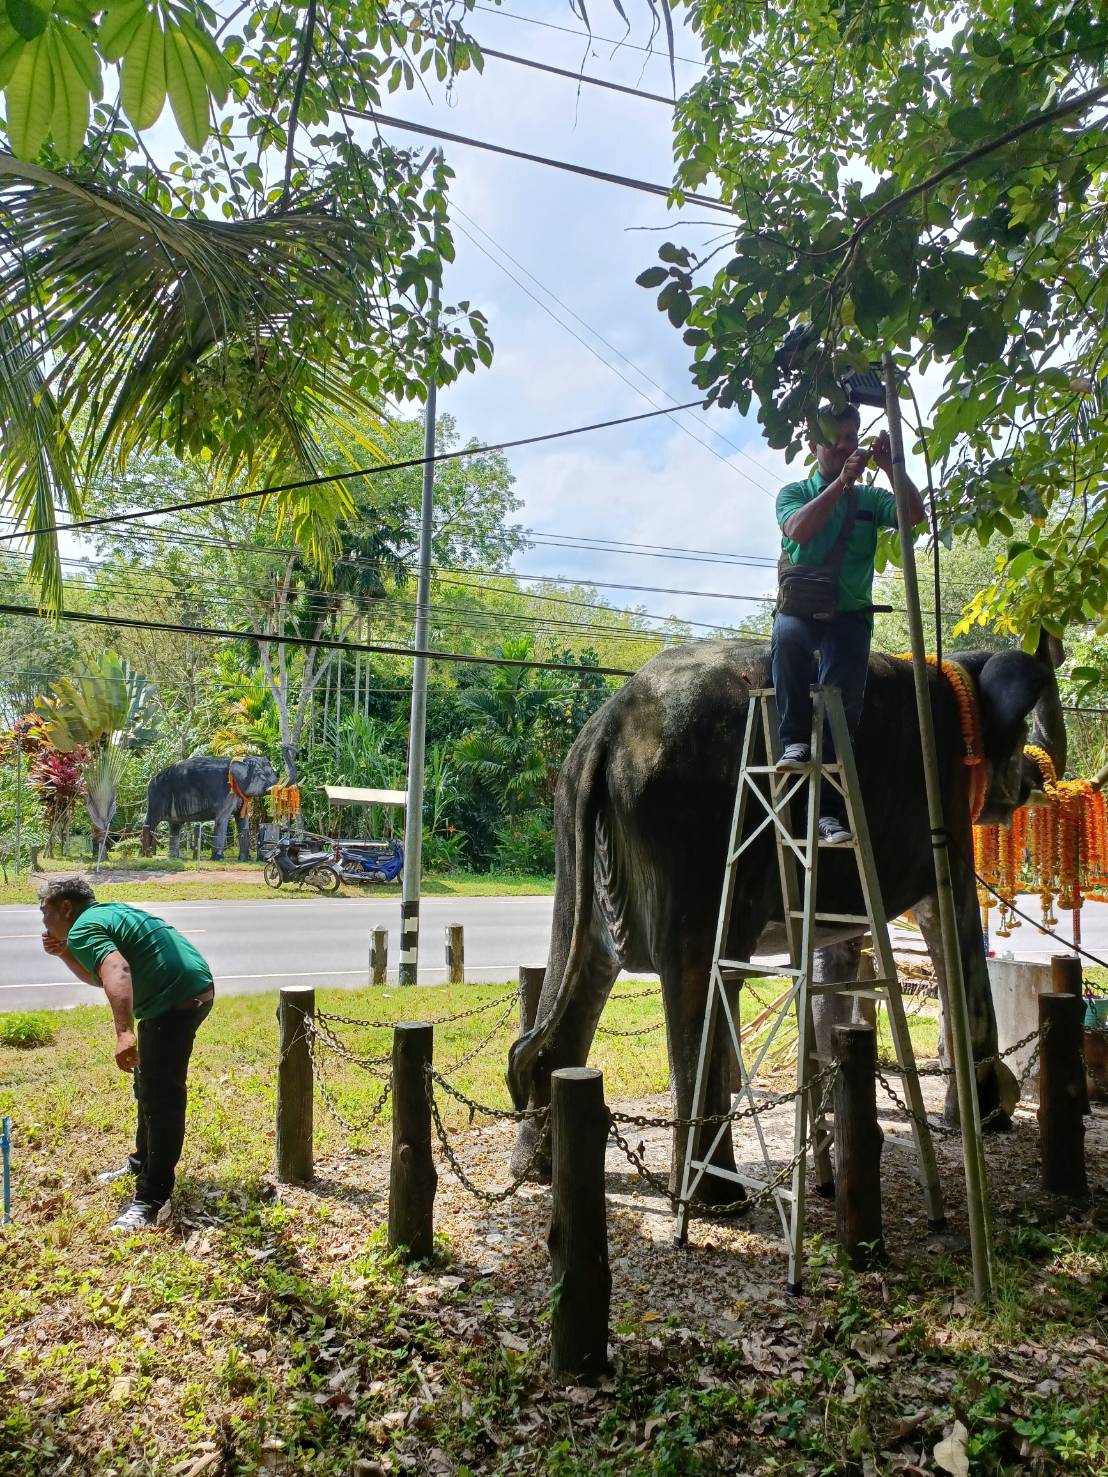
813	517
151	975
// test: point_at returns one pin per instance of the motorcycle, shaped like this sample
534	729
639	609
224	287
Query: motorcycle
300	861
370	861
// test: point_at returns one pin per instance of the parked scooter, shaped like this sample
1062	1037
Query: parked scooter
370	861
303	862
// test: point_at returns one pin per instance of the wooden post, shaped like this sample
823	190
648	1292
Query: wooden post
1066	979
1065	974
379	955
578	1238
532	977
294	1086
455	954
413	1179
1061	1096
858	1142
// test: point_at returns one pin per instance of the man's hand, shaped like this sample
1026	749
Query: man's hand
53	945
126	1051
883	454
855	466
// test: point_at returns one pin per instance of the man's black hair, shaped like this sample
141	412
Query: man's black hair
73	890
846	413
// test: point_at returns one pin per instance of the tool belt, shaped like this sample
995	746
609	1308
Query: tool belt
813	589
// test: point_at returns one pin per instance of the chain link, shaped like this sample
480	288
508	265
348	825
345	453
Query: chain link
509	1114
430	1020
995	1114
475	1051
749	1200
635	1031
490	1197
642	1120
329	1101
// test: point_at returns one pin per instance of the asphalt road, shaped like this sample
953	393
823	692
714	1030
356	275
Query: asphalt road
258	946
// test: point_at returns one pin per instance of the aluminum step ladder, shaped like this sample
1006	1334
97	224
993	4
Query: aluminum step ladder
769	796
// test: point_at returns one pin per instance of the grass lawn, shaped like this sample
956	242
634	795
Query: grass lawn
159	880
267	1330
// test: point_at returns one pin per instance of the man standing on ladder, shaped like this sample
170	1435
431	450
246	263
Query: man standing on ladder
829	529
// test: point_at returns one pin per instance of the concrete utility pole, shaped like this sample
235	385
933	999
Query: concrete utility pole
977	1211
417	728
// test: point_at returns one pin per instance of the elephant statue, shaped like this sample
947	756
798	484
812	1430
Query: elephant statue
642	814
206	789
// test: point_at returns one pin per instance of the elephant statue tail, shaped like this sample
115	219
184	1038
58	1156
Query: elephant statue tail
591	789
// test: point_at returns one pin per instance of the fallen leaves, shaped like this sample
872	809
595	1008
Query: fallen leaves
951	1455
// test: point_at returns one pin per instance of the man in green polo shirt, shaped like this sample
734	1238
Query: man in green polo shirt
811	515
150	974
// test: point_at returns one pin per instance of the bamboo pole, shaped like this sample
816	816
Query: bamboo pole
964	1072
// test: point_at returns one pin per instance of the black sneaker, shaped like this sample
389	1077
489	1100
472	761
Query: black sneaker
794	757
137	1217
832	831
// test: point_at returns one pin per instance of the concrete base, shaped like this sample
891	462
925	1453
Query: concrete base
1016	986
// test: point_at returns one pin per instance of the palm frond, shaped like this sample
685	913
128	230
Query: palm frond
231	340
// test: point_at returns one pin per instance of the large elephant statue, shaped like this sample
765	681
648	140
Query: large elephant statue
206	789
642	814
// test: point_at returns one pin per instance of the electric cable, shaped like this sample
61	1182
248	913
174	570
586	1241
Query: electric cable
588	37
526	61
647	187
318	481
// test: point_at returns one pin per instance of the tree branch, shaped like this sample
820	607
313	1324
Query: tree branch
297	98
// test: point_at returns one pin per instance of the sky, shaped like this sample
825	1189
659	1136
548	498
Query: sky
586	241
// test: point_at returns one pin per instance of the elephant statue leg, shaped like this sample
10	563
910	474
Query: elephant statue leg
175	839
837	964
242	823
685	976
566	1020
222	821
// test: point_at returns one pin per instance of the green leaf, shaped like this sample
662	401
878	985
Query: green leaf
27	19
1034	297
188	91
652	277
81	55
143	85
69	120
969	124
214	65
11	49
30	99
118	27
985	44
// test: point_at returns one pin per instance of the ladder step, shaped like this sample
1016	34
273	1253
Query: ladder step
872	991
838	845
834	917
747	1181
759	971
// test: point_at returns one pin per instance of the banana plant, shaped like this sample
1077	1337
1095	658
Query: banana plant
107	711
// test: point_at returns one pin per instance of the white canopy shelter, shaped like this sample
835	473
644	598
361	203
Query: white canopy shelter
355	795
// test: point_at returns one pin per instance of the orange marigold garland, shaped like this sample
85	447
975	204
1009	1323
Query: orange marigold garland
285	800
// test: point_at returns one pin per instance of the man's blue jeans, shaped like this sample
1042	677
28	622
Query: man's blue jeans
843	643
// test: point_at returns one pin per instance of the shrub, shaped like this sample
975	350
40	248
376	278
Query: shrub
26	1029
526	846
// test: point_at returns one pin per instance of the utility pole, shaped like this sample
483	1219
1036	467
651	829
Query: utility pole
417	728
977	1211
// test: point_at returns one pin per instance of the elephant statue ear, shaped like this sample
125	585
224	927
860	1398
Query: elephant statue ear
1010	686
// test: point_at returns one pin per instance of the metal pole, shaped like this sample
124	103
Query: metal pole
18	806
417	729
965	1075
5	1152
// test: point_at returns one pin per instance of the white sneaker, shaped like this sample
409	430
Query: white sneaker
137	1217
794	757
832	831
109	1176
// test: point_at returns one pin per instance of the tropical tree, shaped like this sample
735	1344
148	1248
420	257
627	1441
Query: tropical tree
931	179
500	748
106	711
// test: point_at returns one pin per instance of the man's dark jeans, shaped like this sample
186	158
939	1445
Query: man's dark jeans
843	643
164	1047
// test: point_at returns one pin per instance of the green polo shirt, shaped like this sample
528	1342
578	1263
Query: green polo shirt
876	509
166	969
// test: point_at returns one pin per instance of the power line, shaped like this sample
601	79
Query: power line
626	182
414	461
587	37
178	628
526	61
457	210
